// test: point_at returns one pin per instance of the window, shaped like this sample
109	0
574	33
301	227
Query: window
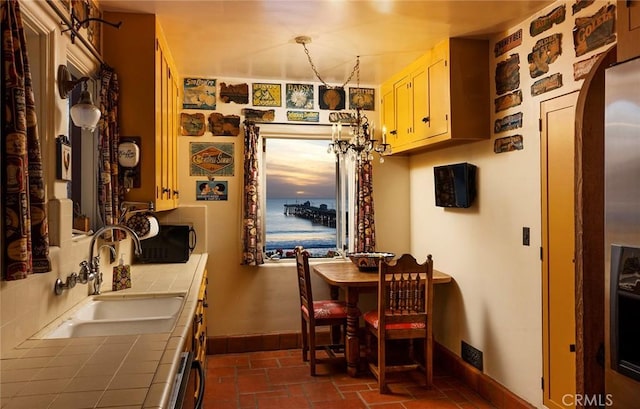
302	205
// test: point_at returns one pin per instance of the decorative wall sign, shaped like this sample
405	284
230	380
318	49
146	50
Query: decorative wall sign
211	159
508	74
199	93
303	116
508	43
299	96
342	117
545	52
258	115
63	158
267	95
582	68
546	84
331	98
238	93
508	123
541	24
224	125
212	190
192	124
595	31
508	144
580	4
508	101
362	98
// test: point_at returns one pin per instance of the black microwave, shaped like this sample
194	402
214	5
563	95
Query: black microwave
172	244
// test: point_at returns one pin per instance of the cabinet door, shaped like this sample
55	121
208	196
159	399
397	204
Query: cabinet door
158	130
388	113
438	102
420	103
404	111
628	29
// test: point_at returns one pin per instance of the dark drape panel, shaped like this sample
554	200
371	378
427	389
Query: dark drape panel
25	244
110	193
252	214
365	240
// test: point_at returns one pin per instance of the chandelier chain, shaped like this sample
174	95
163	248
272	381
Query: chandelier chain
356	68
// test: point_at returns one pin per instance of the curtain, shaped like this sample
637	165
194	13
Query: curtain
110	193
252	216
25	244
365	237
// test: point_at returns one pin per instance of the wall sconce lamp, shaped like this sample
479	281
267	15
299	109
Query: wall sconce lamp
84	114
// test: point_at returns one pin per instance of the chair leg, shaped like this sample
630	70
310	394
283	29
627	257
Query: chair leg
382	367
312	349
305	340
428	364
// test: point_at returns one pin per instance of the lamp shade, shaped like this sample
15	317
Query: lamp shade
84	114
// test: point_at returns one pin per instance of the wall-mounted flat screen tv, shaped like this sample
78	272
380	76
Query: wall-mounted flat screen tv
455	185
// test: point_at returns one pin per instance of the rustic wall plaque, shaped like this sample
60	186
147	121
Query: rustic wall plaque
508	144
331	98
508	100
545	52
508	123
192	124
580	4
582	68
546	84
258	115
508	43
224	125
541	24
343	117
508	74
593	32
238	93
303	116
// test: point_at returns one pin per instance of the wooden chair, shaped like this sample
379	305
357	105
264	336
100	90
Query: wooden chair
405	305
317	313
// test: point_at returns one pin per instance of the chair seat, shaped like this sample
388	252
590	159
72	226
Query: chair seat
371	318
328	309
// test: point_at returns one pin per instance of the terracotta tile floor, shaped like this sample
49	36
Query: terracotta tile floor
280	379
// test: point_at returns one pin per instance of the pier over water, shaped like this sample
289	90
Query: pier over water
318	215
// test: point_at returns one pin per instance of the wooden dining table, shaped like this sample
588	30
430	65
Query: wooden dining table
346	275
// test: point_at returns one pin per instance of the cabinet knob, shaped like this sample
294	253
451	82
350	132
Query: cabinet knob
426	119
166	190
394	132
176	193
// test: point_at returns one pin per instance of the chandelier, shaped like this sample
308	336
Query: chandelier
359	139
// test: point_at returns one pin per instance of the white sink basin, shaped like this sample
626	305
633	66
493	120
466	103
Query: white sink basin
104	316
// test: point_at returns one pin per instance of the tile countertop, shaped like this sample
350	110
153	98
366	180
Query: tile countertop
124	372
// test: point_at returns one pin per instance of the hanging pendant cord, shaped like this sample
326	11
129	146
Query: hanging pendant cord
356	68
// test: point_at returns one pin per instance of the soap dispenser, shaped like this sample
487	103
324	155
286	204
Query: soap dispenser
121	275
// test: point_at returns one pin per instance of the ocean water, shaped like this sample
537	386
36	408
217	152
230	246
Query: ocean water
285	232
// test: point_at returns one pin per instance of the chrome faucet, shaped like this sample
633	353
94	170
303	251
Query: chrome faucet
91	270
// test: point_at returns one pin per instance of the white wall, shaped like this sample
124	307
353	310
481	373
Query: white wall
495	302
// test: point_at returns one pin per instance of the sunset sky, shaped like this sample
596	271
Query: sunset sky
299	169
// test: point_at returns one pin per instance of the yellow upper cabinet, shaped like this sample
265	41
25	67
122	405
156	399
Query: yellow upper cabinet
149	103
628	29
440	99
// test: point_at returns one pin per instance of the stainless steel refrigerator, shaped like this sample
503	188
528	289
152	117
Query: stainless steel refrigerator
622	234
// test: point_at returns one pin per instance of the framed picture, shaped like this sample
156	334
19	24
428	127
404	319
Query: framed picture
199	93
211	159
299	96
211	190
63	158
362	98
266	95
331	98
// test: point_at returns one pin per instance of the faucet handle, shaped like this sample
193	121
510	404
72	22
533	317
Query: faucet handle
85	273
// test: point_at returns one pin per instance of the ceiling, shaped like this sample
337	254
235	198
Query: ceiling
256	39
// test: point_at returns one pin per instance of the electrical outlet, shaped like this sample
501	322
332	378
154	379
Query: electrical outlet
471	355
525	236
